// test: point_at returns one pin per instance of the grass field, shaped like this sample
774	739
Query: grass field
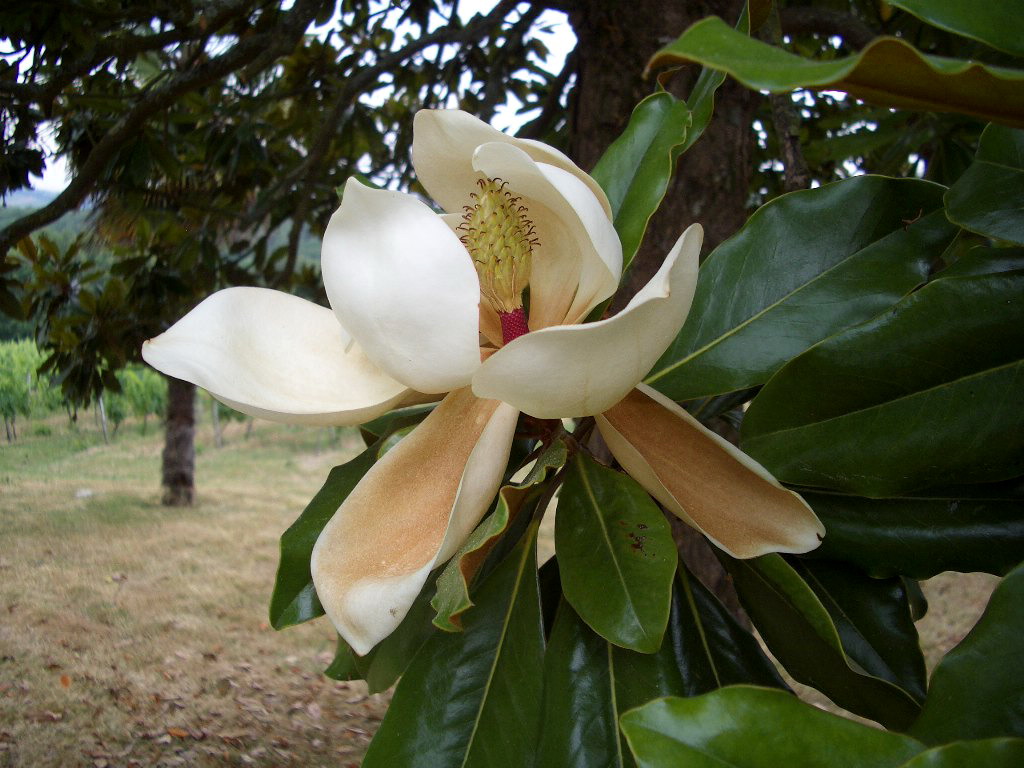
136	635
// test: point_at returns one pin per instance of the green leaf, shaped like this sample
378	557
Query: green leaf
993	22
976	690
989	197
636	169
804	266
928	393
990	753
452	597
343	666
615	554
745	727
801	634
982	260
887	71
874	620
294	600
589	682
975	528
474	697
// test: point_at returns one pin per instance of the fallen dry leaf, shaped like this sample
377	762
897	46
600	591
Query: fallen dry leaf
65	681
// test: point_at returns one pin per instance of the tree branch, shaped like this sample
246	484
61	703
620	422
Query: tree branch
306	172
255	50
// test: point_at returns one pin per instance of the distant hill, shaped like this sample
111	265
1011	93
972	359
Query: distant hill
29	198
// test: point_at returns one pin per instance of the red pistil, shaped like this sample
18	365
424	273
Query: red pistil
513	324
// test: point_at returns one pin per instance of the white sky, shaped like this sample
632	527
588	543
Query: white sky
560	40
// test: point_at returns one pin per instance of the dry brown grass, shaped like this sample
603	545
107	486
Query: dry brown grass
135	635
132	634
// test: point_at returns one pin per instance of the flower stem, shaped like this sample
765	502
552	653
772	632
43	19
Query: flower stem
513	324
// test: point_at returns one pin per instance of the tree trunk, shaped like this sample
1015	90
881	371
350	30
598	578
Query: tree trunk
711	183
179	457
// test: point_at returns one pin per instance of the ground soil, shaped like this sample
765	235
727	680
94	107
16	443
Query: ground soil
136	635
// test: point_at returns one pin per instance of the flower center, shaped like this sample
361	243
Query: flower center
500	238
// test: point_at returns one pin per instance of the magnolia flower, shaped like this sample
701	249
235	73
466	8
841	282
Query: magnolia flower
425	305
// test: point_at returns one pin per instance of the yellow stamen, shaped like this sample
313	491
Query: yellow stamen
500	239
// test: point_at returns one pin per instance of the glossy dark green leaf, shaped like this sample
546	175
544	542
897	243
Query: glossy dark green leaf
982	260
984	753
887	71
925	394
874	620
989	197
474	697
589	682
452	598
975	528
745	727
804	266
343	665
392	420
387	660
636	169
615	554
294	600
801	634
976	690
993	22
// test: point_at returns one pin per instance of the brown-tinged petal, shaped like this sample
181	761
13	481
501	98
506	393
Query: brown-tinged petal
408	514
705	480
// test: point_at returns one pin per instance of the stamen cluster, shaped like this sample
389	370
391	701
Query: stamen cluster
500	238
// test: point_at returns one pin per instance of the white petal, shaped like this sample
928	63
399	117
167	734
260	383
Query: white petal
582	370
404	286
408	514
275	356
705	480
442	152
579	260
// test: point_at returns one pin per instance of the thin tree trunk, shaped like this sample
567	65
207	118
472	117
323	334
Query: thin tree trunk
179	457
102	413
711	183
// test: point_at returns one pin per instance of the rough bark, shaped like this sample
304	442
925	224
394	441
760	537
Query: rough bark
711	184
179	456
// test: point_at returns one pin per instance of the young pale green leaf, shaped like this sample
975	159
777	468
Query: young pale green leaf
745	727
805	266
474	697
874	621
802	635
928	393
990	753
589	682
989	197
636	169
452	597
976	690
975	528
993	22
616	555
887	71
294	599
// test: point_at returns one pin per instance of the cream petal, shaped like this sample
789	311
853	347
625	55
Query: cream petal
275	356
408	514
579	260
705	480
404	286
582	370
442	151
